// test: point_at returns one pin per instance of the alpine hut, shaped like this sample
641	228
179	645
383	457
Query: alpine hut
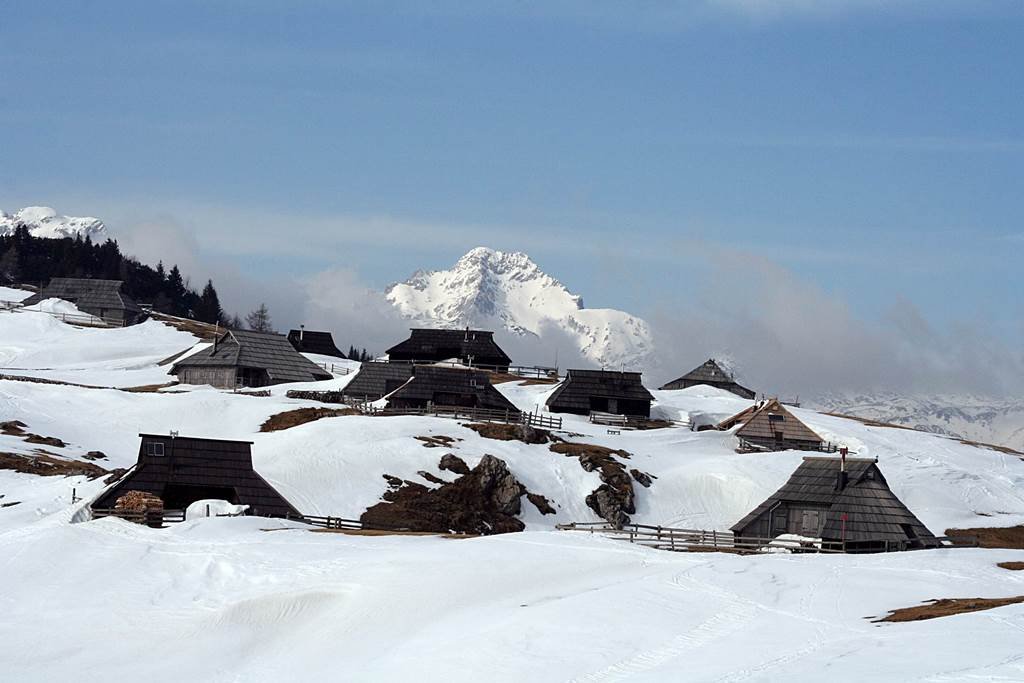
769	426
100	298
846	502
181	470
711	374
437	385
375	380
468	347
308	341
243	358
585	391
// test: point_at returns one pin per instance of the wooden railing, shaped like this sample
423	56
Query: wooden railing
327	522
336	369
154	518
464	413
525	371
79	319
685	540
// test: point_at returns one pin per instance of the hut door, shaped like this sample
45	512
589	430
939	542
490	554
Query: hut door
613	406
780	520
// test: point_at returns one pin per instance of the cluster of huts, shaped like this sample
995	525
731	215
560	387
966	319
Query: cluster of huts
836	500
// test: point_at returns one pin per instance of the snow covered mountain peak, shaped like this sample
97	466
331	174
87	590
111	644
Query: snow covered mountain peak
42	221
507	290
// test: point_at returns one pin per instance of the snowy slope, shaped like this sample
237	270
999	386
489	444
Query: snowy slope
979	418
506	290
42	221
225	599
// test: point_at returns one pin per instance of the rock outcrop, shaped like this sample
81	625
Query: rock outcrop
484	501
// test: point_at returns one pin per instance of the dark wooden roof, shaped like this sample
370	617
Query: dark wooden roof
579	385
199	463
86	293
262	350
873	512
308	341
711	374
373	379
772	416
426	344
428	380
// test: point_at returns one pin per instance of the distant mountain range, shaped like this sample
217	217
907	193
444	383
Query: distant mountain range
506	290
977	418
42	221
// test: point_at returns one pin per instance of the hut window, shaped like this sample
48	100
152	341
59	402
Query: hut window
155	448
776	418
811	522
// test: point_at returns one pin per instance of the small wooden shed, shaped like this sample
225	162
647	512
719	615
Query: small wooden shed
181	470
607	391
376	379
243	358
308	341
712	374
447	386
769	426
847	503
101	298
468	347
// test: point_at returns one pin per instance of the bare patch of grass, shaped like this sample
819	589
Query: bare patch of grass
439	441
1012	566
993	537
48	465
947	607
509	432
294	418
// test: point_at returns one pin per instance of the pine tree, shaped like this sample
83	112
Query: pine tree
208	309
258	320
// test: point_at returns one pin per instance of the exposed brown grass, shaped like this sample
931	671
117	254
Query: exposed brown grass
993	537
587	450
992	447
947	607
18	428
386	532
294	418
149	388
508	432
204	331
439	441
48	465
1012	566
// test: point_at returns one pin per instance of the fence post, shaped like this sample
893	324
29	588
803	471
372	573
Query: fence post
207	509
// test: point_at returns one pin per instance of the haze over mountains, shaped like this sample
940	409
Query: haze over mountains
508	292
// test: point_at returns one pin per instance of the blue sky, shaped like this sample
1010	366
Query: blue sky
874	150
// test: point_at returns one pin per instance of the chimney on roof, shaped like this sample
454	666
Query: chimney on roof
466	338
843	478
302	331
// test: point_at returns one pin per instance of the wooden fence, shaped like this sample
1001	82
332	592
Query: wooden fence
336	369
474	414
153	518
327	522
699	540
78	319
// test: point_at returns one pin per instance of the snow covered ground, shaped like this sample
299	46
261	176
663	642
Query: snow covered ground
224	600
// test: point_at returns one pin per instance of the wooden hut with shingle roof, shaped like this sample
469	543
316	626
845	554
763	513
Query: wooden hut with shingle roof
848	503
101	298
376	379
308	341
768	425
712	374
468	347
243	358
181	470
606	391
439	385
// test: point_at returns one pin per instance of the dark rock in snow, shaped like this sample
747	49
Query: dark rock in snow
454	463
641	478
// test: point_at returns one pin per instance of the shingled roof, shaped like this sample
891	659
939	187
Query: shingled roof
86	293
575	392
308	341
711	374
262	350
181	470
375	379
873	512
764	422
426	344
443	385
